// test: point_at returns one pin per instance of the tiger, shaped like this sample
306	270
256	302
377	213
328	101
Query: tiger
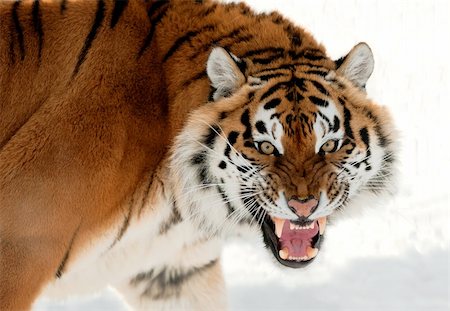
137	137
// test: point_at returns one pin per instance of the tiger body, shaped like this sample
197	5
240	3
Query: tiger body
128	141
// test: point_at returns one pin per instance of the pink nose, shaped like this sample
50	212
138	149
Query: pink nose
303	207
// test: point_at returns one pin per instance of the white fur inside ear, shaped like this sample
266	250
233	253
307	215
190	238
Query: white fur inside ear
358	64
223	72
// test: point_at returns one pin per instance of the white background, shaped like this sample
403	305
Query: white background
388	254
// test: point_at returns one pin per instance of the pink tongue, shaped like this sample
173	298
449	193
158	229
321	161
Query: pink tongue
297	241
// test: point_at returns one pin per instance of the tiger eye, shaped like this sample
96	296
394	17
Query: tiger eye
329	146
266	148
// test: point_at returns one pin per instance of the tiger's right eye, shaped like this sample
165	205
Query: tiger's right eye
266	147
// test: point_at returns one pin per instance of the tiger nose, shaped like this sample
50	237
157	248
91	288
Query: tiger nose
303	206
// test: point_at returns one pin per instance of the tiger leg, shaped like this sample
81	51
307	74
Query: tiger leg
25	267
172	288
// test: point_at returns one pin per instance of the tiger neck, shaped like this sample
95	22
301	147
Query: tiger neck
186	31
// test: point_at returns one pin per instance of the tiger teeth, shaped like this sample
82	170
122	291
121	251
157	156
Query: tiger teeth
279	223
322	224
297	227
283	253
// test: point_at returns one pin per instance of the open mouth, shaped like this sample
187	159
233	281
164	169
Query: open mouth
293	245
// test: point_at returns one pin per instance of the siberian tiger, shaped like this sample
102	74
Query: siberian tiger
136	136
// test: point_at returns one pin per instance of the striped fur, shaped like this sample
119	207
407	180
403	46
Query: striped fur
130	147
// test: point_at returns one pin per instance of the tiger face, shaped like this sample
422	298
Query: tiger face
282	149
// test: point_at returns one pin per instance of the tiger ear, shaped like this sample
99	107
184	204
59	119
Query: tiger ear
225	71
357	65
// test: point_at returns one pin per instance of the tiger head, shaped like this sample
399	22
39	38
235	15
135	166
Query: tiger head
282	148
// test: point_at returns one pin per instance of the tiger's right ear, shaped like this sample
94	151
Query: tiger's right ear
225	71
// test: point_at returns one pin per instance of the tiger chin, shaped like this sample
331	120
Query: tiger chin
131	149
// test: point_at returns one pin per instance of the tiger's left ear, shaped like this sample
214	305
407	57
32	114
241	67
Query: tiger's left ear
357	65
225	71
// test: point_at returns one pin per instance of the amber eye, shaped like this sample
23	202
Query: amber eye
329	146
266	147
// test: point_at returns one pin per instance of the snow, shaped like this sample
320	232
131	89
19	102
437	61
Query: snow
388	254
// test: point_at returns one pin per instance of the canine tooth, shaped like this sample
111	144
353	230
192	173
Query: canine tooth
311	226
279	223
322	224
291	226
311	252
283	253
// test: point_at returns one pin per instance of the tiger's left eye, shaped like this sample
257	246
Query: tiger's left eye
329	146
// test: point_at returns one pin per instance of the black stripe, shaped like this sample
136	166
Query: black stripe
261	127
216	41
272	90
211	136
208	11
119	7
347	126
320	87
262	51
245	120
125	223
318	101
186	38
232	138
270	76
63	6
267	60
225	198
18	28
37	23
325	118
153	22
62	265
197	77
272	103
364	136
337	124
99	16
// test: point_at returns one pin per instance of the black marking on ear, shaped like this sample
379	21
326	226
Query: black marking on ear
119	7
99	16
261	127
245	120
318	101
211	136
18	28
222	165
320	87
272	103
37	23
337	124
340	61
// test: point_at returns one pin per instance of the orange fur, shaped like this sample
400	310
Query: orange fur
78	141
